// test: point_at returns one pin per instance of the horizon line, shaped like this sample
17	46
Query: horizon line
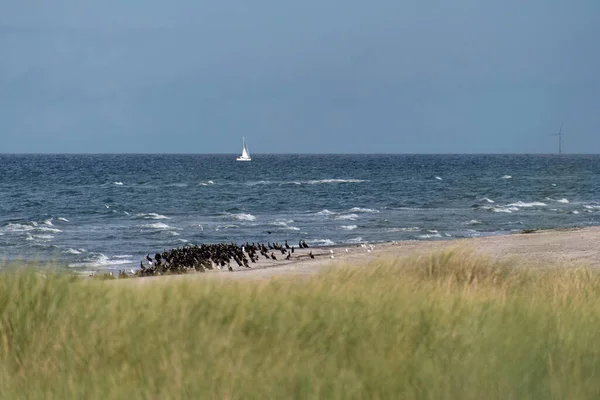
287	154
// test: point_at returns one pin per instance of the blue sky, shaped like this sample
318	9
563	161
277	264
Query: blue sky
317	76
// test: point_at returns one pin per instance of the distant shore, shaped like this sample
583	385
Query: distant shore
540	248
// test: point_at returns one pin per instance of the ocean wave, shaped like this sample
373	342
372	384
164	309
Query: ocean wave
158	225
348	227
72	251
472	222
487	200
429	236
503	210
347	217
563	201
151	216
19	227
178	185
48	222
43	237
322	181
229	226
325	212
506	177
321	242
592	207
438	178
62	219
531	204
255	183
118	183
356	240
243	217
408	229
363	210
100	260
284	224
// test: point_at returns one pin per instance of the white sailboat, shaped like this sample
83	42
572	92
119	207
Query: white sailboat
245	154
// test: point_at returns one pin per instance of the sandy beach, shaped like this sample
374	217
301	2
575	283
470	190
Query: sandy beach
539	249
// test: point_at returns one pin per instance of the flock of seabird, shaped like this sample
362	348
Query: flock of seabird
215	256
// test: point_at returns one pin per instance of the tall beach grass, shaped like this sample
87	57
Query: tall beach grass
448	325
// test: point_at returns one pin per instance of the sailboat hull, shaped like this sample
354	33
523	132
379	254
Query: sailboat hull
243	159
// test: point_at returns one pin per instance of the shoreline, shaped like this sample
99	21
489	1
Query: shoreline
540	248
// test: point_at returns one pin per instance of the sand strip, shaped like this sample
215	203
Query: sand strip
548	248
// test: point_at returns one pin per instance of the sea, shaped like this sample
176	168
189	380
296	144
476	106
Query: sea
92	213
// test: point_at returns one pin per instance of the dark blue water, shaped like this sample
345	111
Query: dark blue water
94	212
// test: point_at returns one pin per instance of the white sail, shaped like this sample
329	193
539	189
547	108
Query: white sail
245	154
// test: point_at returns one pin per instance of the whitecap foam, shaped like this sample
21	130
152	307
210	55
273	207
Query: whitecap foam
118	183
363	210
472	222
44	237
284	224
211	183
255	183
438	178
46	229
592	207
356	240
531	204
506	177
321	242
228	226
48	222
151	216
243	217
430	236
158	225
501	210
408	229
72	251
348	227
321	181
19	228
487	200
347	217
62	219
325	212
101	260
574	212
563	201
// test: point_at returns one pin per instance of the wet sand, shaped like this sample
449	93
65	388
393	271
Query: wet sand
548	248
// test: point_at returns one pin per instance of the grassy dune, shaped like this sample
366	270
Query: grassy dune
449	325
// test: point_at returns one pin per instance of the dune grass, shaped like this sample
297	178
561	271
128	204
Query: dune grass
446	326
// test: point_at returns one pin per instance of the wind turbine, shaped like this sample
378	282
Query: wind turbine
559	134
